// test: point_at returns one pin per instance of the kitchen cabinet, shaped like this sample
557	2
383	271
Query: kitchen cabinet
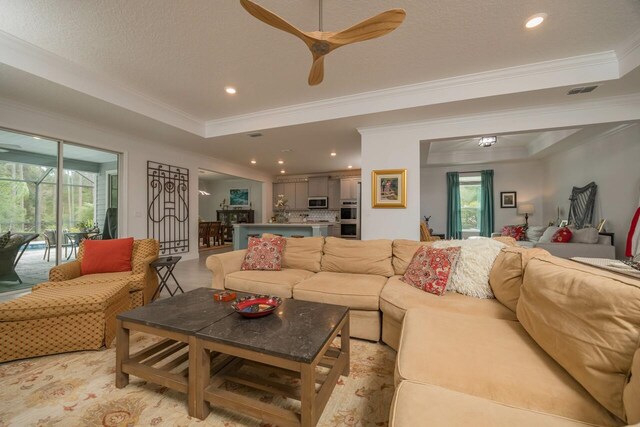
278	188
290	194
335	230
333	193
349	188
302	196
318	186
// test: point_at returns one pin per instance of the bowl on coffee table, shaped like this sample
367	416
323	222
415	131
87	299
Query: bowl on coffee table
256	305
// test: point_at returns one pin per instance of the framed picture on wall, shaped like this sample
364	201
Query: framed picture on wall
239	197
508	199
389	188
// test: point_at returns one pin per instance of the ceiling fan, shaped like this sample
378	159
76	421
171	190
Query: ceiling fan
320	43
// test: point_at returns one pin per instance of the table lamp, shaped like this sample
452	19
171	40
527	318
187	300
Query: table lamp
526	210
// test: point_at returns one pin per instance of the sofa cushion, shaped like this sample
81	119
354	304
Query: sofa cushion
452	408
563	235
278	283
303	254
397	297
356	291
507	272
492	359
584	235
431	269
587	319
403	252
631	395
535	232
518	232
357	256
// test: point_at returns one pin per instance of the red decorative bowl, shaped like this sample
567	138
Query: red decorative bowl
256	305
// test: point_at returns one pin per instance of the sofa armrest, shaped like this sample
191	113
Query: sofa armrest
223	264
66	271
144	269
585	250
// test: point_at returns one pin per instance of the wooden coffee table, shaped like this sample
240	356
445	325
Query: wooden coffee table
176	319
296	340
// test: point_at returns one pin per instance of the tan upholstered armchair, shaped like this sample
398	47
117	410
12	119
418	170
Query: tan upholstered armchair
142	279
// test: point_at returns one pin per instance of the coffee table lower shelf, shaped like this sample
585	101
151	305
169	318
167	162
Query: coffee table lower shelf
317	381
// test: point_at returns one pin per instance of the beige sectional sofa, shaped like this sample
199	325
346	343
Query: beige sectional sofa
559	346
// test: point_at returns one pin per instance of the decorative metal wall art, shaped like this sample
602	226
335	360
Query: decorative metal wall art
168	207
582	204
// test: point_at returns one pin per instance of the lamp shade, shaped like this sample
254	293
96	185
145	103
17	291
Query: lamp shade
526	209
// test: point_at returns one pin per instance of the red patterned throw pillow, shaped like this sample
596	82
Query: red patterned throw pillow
264	253
563	235
431	269
518	232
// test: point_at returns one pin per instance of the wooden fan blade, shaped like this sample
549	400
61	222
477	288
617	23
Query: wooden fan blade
376	26
272	19
316	75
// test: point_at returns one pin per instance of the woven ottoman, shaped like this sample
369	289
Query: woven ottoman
61	319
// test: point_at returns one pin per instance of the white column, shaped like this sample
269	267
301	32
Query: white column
382	150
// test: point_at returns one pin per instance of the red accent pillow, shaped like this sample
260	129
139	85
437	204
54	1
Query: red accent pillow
106	256
563	235
431	268
264	253
518	232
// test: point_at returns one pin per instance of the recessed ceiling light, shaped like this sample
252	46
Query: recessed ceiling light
349	167
535	20
282	171
487	141
281	162
333	154
230	90
253	162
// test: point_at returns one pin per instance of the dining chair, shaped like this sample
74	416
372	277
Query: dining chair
203	233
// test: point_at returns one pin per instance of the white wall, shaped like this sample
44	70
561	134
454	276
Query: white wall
379	152
525	178
613	162
219	190
135	154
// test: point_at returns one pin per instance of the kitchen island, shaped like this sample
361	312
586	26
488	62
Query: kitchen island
242	232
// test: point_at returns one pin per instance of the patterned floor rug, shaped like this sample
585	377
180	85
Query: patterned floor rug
78	389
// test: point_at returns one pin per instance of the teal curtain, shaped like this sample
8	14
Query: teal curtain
486	203
454	218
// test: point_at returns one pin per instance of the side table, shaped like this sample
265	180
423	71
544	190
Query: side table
164	267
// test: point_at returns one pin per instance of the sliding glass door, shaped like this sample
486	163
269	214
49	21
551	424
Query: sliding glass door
47	214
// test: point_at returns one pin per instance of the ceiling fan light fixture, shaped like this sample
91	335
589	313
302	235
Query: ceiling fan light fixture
204	193
487	141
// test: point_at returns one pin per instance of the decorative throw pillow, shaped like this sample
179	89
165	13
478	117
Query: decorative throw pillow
535	232
106	256
584	235
515	231
548	234
4	239
264	254
563	235
471	276
431	269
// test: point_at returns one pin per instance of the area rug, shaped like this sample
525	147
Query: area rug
78	389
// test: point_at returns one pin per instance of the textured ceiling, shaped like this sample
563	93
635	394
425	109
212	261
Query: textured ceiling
183	53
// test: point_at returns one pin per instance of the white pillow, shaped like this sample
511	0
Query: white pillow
535	232
471	275
548	234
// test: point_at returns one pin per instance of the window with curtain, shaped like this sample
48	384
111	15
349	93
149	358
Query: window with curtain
469	203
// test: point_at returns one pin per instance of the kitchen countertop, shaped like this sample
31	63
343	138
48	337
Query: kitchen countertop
286	224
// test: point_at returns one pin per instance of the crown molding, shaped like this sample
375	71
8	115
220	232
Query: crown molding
613	109
629	54
543	75
32	59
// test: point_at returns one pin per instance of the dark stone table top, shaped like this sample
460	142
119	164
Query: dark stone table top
185	313
297	330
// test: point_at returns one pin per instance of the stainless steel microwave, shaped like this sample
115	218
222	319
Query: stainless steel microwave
318	203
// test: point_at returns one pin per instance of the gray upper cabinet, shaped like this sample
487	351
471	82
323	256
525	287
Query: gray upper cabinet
278	188
349	188
333	193
290	194
318	186
302	196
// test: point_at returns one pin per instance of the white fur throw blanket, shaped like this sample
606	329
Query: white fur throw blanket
471	275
